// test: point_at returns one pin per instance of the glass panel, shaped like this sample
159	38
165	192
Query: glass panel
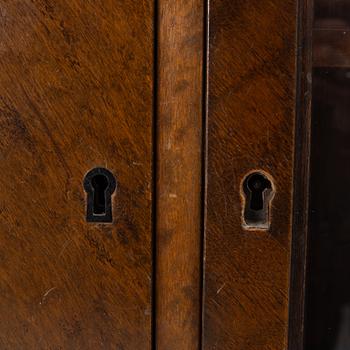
328	288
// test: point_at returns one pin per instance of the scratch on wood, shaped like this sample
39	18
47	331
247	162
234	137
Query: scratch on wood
65	245
220	289
46	294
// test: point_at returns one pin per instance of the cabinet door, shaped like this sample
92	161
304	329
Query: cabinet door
76	81
251	117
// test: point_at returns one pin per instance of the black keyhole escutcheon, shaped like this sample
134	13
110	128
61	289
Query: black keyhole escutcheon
258	193
99	184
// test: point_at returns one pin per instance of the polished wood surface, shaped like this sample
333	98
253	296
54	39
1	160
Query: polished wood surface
79	82
179	130
251	118
76	80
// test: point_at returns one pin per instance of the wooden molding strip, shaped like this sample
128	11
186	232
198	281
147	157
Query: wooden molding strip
179	143
301	177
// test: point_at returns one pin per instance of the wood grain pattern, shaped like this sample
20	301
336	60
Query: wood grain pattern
75	93
251	117
180	55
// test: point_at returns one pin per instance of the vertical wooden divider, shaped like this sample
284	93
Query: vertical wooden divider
179	143
301	178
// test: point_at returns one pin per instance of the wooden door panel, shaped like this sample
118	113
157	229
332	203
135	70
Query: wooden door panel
76	81
251	112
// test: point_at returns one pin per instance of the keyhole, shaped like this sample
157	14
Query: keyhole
257	184
99	184
258	194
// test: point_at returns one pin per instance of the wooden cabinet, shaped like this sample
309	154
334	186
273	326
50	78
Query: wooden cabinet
155	165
